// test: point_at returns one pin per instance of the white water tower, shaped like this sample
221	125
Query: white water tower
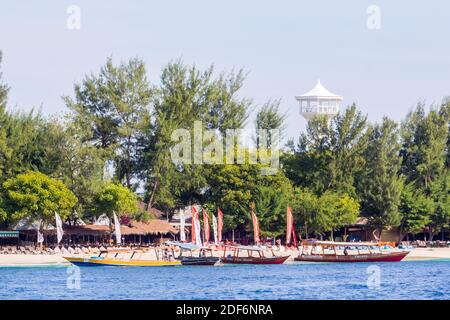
319	101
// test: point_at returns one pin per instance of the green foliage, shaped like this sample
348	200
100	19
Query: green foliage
268	118
380	183
233	187
327	212
116	198
80	165
425	154
35	196
110	108
415	208
186	95
270	208
329	155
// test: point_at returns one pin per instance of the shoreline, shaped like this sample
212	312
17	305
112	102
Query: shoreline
52	260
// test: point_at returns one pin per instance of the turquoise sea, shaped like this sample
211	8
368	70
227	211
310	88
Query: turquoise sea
403	280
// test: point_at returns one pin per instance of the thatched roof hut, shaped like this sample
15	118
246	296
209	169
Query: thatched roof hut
155	226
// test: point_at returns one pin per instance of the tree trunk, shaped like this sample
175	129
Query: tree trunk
150	201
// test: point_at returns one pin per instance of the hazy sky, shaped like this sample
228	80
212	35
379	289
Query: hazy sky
284	45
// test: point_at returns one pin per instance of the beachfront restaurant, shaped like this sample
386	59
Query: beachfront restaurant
134	232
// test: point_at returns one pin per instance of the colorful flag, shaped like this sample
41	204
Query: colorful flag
255	227
182	223
294	235
206	225
59	228
117	229
214	222
289	225
198	231
219	225
194	218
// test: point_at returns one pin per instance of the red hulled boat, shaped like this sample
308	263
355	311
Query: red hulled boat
328	251
254	256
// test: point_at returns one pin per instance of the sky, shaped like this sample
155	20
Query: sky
385	60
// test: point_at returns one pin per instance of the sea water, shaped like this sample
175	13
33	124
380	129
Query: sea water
402	280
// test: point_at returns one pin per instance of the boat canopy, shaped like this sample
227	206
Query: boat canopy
332	243
187	246
245	248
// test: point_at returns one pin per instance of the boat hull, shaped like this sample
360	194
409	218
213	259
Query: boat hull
89	262
384	257
254	260
199	261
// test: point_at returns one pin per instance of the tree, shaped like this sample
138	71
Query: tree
380	183
269	118
233	187
330	154
3	119
270	208
110	108
308	165
79	165
36	197
186	95
415	208
116	198
25	145
328	212
348	143
425	153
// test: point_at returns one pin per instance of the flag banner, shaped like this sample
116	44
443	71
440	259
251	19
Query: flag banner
206	225
182	226
289	225
194	212
198	232
255	227
59	228
214	222
117	230
294	235
219	225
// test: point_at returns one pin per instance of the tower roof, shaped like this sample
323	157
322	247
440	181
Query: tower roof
319	91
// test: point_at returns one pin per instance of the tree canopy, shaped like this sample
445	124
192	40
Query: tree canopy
35	196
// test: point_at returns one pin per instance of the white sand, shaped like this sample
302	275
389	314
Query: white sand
31	260
428	254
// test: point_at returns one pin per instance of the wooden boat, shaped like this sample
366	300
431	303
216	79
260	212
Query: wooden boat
254	256
187	258
347	252
125	257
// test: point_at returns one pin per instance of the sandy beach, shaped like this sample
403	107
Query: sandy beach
13	260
